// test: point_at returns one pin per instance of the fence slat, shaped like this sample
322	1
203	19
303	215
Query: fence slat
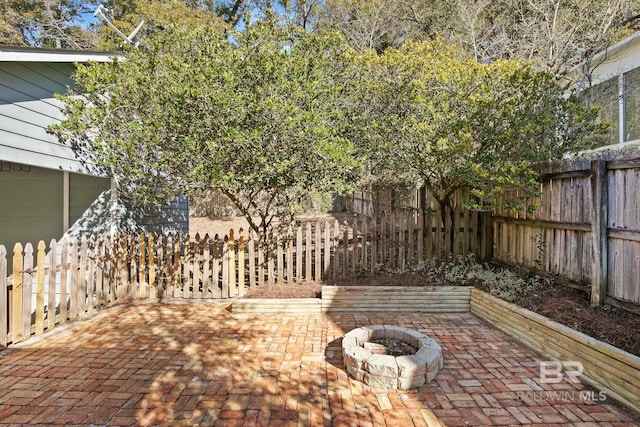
187	267
411	240
225	268
318	251
374	244
27	289
279	259
241	267
307	253
215	268
91	266
64	281
354	246
345	248
16	312
197	261
206	270
73	290
142	289
151	265
252	260
261	249
40	271
289	243
51	292
327	250
393	239
402	243
383	239
81	273
299	254
269	256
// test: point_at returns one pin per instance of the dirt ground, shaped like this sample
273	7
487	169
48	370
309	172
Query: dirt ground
222	225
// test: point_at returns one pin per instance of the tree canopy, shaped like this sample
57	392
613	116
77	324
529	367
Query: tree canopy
428	114
254	114
553	34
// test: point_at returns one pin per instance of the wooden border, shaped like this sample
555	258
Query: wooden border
281	306
606	367
396	299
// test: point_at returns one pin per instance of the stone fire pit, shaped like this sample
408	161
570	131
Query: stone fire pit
387	371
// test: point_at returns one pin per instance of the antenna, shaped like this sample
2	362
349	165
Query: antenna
100	14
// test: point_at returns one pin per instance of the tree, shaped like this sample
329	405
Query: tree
45	23
553	34
255	114
437	118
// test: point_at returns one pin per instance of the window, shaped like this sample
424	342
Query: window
605	97
632	105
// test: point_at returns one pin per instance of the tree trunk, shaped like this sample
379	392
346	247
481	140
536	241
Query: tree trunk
443	205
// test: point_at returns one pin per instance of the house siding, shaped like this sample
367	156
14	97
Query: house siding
170	218
27	107
31	205
33	162
83	191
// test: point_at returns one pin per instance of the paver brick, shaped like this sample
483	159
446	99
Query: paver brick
199	364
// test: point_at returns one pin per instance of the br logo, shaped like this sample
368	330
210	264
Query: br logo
552	372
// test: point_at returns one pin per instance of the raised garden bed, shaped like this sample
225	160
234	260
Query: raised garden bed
396	299
351	299
606	367
277	305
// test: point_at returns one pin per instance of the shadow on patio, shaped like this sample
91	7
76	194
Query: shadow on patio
186	364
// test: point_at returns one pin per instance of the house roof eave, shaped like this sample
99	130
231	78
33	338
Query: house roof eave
31	54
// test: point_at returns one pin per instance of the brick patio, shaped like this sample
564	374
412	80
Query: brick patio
199	364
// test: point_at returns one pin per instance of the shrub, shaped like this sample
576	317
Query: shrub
508	284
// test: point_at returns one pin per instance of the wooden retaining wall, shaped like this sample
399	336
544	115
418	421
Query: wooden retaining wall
280	306
606	367
396	299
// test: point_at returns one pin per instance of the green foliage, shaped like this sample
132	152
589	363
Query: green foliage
504	283
252	114
428	114
45	23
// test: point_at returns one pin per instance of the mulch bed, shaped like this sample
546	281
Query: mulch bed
565	305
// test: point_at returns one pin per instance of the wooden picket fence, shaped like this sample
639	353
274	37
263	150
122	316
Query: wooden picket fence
70	279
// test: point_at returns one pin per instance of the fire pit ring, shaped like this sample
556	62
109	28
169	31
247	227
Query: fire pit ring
387	371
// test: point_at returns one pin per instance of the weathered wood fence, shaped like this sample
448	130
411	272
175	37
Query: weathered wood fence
586	229
69	279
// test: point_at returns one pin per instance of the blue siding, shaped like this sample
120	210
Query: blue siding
27	108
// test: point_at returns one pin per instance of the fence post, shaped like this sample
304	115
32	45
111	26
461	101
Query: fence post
599	222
